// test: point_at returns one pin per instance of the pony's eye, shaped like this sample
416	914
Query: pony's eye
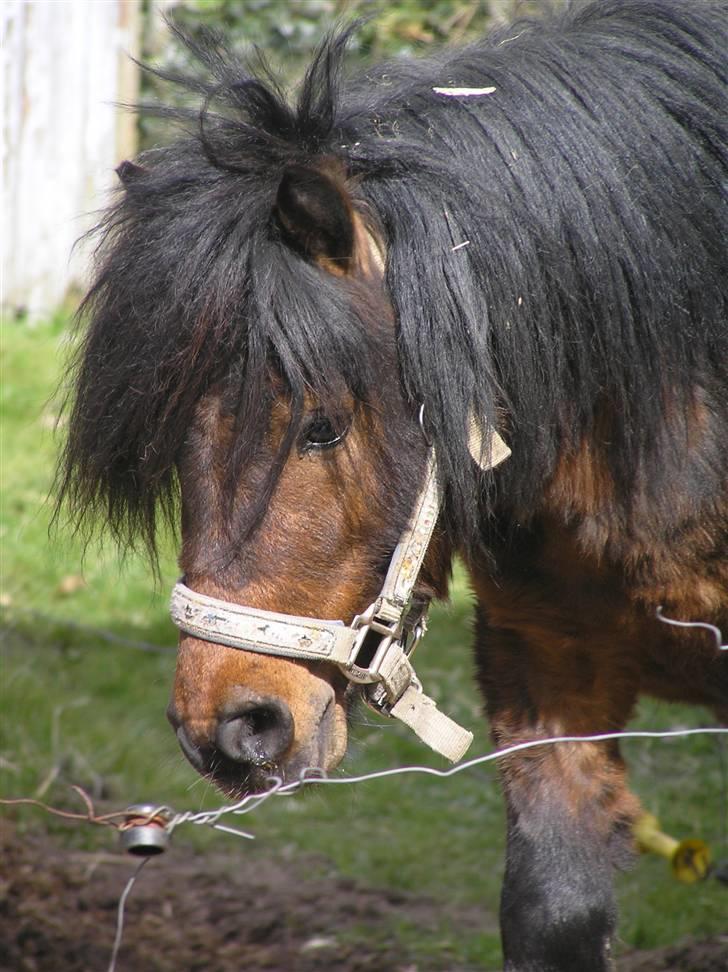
319	433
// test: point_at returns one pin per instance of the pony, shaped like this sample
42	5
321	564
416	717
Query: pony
301	313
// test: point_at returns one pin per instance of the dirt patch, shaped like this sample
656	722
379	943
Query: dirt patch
194	912
710	956
222	912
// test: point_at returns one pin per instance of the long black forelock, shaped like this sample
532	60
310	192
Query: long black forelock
195	287
242	101
555	253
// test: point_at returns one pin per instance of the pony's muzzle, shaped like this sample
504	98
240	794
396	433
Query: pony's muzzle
242	718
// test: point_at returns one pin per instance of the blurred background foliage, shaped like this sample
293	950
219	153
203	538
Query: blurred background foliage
288	31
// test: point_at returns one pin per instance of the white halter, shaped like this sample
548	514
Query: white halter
392	687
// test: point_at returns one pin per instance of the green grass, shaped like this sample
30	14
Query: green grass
77	708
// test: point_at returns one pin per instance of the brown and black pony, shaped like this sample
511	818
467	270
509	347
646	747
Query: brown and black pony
279	291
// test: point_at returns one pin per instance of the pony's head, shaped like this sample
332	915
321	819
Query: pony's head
241	370
304	521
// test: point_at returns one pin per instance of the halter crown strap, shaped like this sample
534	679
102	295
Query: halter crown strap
404	567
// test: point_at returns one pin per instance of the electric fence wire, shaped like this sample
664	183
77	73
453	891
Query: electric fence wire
120	914
716	632
310	777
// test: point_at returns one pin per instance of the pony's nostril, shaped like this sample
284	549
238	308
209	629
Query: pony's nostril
258	733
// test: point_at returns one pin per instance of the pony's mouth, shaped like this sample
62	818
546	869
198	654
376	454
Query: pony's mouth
237	780
238	768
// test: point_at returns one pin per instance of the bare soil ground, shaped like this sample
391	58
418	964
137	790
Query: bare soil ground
216	912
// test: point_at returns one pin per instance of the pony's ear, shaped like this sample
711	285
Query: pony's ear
317	218
128	172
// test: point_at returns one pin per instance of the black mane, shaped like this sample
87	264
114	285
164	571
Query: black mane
588	193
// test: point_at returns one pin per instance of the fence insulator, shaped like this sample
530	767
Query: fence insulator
689	859
144	830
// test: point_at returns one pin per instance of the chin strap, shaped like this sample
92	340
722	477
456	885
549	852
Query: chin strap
375	649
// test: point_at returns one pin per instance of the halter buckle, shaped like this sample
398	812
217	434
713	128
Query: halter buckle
388	672
375	657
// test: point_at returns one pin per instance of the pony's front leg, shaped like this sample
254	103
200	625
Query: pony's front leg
569	812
